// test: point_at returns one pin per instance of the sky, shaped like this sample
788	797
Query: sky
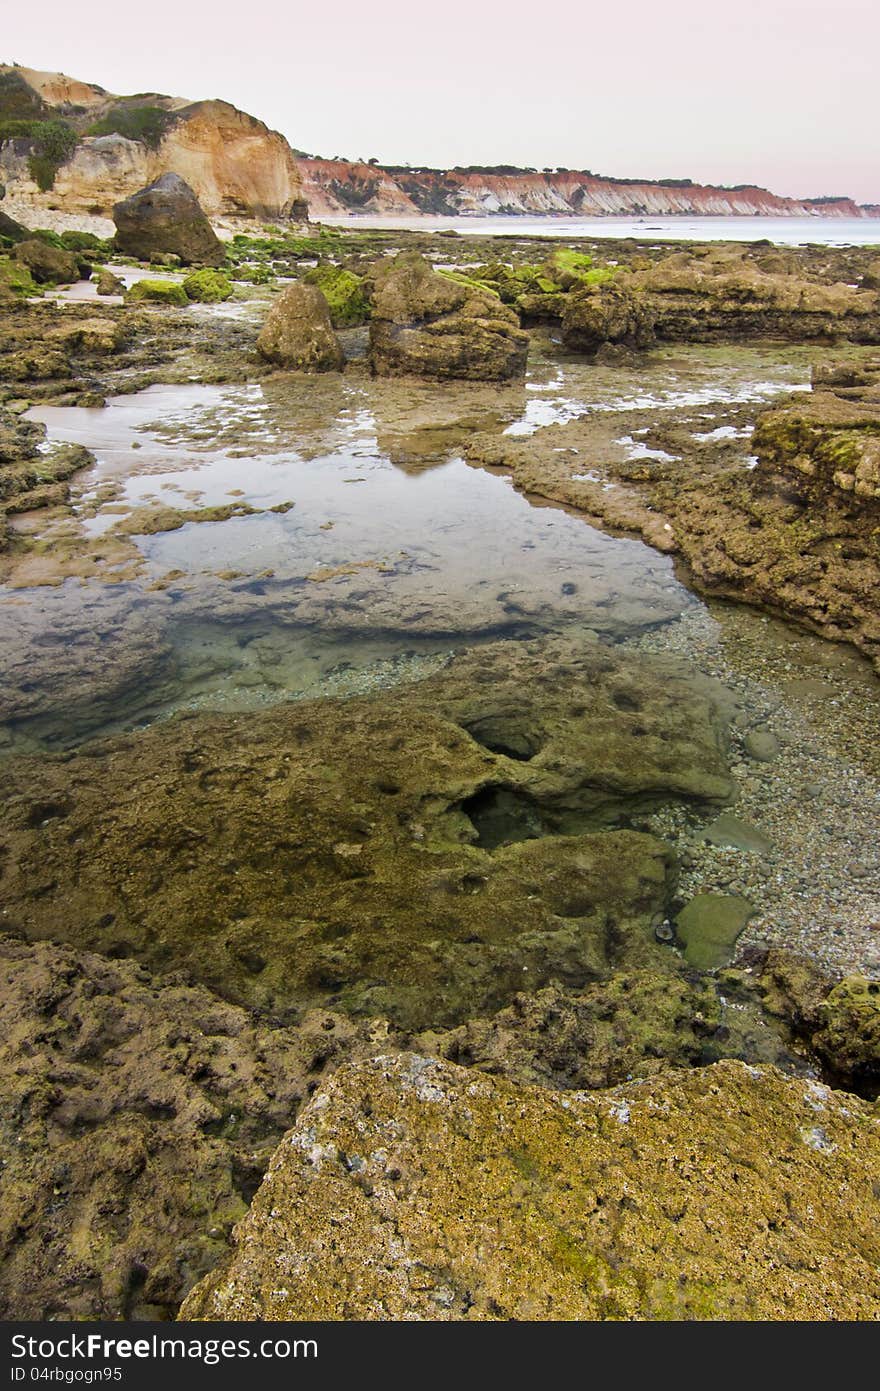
782	93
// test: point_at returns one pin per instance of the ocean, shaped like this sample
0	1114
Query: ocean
784	231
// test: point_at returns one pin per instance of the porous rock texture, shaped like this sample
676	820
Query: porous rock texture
413	1189
298	333
425	324
137	1116
424	854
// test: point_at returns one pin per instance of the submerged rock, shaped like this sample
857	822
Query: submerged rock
848	1036
426	853
427	325
166	217
298	333
709	926
413	1189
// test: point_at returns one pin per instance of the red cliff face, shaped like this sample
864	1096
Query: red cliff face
337	186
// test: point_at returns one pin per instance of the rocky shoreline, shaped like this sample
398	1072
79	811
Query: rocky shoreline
507	894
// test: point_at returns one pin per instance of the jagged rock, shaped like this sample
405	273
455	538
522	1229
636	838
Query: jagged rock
848	1036
166	216
49	265
425	324
603	314
424	854
137	1117
298	333
413	1189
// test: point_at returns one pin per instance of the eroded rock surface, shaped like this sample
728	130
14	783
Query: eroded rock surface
165	217
425	324
137	1118
298	333
411	1188
424	854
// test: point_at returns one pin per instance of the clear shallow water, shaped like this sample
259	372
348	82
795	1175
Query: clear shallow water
388	550
395	553
784	231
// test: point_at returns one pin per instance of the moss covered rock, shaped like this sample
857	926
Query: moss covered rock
425	324
344	293
413	1189
208	286
157	292
597	315
49	265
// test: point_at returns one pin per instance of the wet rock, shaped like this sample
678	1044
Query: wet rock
166	217
136	1120
606	314
169	292
298	333
848	1036
49	265
729	830
411	1188
761	745
634	1024
425	324
109	284
427	853
725	292
709	926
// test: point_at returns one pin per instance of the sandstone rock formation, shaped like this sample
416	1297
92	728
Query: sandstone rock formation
606	314
345	186
725	293
411	1188
298	333
425	324
233	162
166	217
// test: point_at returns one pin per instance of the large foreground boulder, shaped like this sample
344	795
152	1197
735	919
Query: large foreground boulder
604	314
167	217
298	333
414	1189
427	325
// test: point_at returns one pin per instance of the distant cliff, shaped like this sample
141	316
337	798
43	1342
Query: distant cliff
338	186
71	144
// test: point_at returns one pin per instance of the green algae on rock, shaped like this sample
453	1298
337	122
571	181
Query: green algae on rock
411	1188
425	854
169	292
425	324
298	332
207	286
709	925
343	291
137	1117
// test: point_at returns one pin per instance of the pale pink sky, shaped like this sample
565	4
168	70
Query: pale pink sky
776	92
